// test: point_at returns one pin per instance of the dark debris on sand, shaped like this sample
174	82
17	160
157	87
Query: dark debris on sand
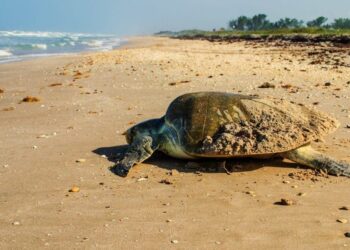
30	99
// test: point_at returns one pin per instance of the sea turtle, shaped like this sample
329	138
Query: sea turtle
226	125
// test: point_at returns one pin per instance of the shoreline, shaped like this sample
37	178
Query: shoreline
130	42
30	57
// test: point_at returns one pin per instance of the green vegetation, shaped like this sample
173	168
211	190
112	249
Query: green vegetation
260	22
318	22
262	33
244	26
341	23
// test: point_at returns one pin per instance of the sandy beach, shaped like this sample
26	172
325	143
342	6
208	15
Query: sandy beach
72	134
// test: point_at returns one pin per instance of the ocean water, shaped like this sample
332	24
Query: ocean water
21	45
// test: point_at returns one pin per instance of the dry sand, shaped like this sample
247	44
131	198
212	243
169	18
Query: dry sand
86	102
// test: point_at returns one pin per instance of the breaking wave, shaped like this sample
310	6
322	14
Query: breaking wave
5	53
20	45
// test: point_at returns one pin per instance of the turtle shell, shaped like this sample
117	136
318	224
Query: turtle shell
223	124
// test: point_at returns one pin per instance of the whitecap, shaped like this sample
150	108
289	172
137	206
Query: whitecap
93	43
16	33
5	53
39	46
20	45
73	36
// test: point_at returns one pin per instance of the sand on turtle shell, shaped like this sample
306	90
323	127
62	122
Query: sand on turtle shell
269	126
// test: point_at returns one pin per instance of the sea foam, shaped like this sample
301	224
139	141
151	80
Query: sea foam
19	45
5	53
40	46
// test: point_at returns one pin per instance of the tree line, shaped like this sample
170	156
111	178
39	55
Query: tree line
260	22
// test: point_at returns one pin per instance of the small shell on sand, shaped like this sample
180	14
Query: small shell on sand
80	160
30	99
267	85
166	181
342	220
174	172
74	189
252	193
286	202
142	179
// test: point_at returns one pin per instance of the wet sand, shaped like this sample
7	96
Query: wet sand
73	133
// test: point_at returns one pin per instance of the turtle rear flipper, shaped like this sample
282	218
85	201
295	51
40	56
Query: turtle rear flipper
140	150
307	156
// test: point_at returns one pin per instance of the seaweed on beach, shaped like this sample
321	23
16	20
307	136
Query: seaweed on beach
55	84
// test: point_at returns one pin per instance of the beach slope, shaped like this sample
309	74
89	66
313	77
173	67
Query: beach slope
56	189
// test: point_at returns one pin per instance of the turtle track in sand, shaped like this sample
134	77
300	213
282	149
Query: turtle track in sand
269	126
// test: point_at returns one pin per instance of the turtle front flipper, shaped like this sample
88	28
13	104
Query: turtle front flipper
141	149
306	155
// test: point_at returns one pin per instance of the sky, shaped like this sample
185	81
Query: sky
140	17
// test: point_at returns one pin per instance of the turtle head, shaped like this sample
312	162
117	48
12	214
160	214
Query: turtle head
147	128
